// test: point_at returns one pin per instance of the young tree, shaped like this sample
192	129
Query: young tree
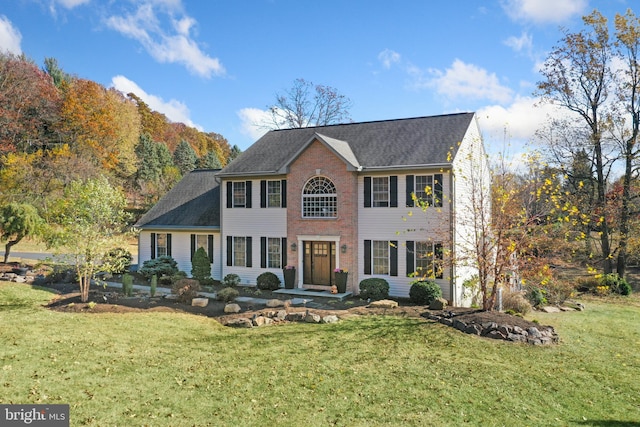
306	104
88	221
17	221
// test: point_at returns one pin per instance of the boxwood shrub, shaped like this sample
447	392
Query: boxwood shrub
424	292
231	279
374	289
268	281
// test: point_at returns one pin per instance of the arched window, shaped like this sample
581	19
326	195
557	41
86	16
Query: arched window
319	198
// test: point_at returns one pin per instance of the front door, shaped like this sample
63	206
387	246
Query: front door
319	261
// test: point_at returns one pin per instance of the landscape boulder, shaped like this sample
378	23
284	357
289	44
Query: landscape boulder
438	304
232	308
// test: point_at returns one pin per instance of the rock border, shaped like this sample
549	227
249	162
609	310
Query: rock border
533	335
273	317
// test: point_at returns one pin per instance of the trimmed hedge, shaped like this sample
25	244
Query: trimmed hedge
268	281
424	292
374	289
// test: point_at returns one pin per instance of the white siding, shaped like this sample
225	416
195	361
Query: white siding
403	224
471	173
254	222
180	248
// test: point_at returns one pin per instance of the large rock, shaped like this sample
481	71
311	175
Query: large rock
438	304
232	308
384	303
240	323
275	303
200	302
312	318
331	318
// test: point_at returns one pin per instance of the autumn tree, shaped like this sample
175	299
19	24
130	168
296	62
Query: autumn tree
306	104
101	124
88	220
29	106
628	90
17	221
577	77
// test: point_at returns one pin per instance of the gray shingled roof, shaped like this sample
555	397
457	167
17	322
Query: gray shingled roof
382	144
192	202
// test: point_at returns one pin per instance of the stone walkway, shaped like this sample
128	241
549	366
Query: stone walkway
257	301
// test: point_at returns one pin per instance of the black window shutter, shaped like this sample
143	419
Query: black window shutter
249	248
410	182
367	191
210	247
153	245
263	252
411	268
393	191
229	250
229	195
283	193
283	251
193	246
367	257
263	193
169	244
393	254
437	188
248	195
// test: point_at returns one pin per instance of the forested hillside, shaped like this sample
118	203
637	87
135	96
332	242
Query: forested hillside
56	128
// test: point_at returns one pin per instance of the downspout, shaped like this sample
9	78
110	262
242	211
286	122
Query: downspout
452	287
222	239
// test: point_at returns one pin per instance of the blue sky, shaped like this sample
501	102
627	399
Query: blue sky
217	65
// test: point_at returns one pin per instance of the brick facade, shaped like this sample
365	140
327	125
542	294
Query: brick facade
318	160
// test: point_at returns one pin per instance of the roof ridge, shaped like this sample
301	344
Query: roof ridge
374	121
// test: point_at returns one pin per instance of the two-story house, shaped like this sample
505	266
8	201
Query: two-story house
329	197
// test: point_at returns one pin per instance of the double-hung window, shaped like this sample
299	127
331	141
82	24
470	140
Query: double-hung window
273	194
239	251
380	191
380	260
239	194
427	189
160	244
425	259
381	257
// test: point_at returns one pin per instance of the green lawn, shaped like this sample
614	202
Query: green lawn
161	369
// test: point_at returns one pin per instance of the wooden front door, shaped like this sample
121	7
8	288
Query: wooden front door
319	261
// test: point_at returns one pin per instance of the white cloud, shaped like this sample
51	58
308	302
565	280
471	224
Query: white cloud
70	4
466	81
172	45
544	11
524	43
10	37
175	111
252	120
388	57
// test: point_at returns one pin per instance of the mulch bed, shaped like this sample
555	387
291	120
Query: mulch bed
111	300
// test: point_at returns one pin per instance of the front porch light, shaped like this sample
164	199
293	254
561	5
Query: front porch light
343	249
294	247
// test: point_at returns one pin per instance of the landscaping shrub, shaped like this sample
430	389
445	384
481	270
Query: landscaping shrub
161	266
374	289
227	294
200	265
186	289
558	291
208	282
127	284
117	261
268	281
536	296
515	302
616	284
424	292
231	279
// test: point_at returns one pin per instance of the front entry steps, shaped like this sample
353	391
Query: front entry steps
312	293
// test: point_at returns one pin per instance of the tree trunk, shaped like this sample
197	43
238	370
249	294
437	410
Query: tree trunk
7	248
602	204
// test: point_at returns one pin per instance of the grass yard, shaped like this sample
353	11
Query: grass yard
162	369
